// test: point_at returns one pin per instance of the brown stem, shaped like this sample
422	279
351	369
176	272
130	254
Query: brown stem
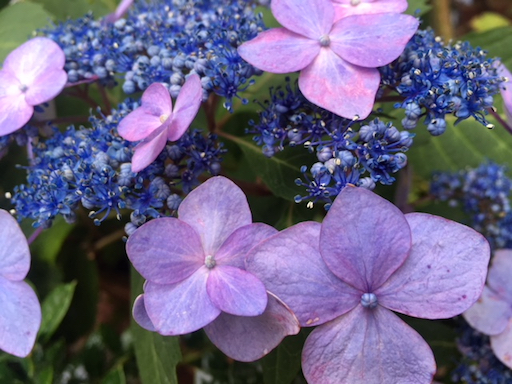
442	18
210	107
104	97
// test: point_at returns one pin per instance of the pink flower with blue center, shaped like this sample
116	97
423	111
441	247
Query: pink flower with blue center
492	313
195	271
31	74
155	122
348	274
20	312
337	60
345	8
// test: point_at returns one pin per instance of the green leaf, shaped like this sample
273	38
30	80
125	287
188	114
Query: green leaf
422	6
157	356
77	8
18	22
282	365
45	376
466	145
54	308
115	376
48	244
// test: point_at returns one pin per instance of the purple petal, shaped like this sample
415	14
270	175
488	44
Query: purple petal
279	51
499	274
364	238
14	110
250	338
155	109
367	346
186	107
33	60
14	253
344	8
502	345
310	18
47	86
372	40
236	291
290	266
141	316
20	317
165	250
148	150
506	90
444	273
184	307
235	249
490	314
119	12
338	86
215	210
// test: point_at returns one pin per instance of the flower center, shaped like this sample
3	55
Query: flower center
355	2
209	261
23	88
163	118
325	41
369	300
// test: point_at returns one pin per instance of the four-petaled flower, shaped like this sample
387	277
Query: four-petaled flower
155	122
343	8
31	74
349	273
195	271
492	313
338	60
20	312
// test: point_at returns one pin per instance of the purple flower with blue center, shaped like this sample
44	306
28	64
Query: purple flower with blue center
31	74
195	271
337	60
348	274
20	313
492	313
345	8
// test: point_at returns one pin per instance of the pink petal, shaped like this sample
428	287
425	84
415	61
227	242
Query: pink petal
338	86
165	250
501	345
506	90
47	87
184	307
344	8
20	317
235	249
14	253
372	40
500	272
34	59
490	314
148	150
14	110
236	291
290	266
156	106
310	18
367	346
141	316
444	273
364	238
186	107
250	338
279	51
215	210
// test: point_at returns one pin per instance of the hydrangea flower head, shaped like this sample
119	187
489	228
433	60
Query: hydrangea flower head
506	90
31	74
492	313
345	8
20	313
338	60
195	271
364	261
155	121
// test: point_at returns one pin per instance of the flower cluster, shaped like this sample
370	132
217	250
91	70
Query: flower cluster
163	42
484	194
436	79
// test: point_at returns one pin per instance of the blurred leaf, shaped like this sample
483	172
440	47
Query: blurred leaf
77	8
3	3
54	308
282	365
115	376
465	145
420	6
45	376
157	356
488	20
49	242
18	22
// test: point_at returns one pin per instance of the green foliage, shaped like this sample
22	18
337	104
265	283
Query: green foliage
49	243
420	6
77	8
115	376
